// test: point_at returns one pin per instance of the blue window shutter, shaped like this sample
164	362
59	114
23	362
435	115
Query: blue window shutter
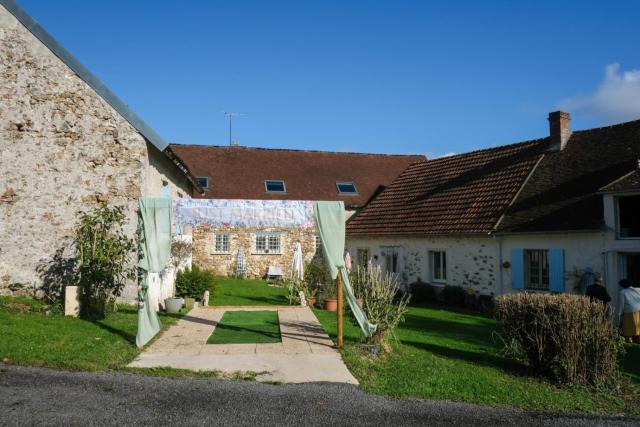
556	270
517	268
165	191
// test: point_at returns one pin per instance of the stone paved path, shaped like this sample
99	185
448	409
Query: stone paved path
306	353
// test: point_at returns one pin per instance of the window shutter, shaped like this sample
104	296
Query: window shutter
517	268
556	270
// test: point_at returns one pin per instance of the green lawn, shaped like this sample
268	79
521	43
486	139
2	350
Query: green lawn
56	341
247	327
232	291
451	354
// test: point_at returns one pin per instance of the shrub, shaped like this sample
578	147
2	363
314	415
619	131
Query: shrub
103	259
564	337
191	283
380	308
318	278
358	278
454	296
422	292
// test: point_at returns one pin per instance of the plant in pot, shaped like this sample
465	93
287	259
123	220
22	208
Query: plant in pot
192	283
330	294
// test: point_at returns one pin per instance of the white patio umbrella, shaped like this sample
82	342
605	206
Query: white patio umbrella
297	268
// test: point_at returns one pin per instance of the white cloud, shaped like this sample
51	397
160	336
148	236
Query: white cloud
617	98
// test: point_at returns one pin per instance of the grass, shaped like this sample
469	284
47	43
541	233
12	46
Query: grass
238	292
29	337
454	355
247	327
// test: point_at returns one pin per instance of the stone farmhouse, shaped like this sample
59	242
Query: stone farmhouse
66	143
534	215
236	173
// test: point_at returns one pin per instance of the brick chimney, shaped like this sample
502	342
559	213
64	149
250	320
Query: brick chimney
559	129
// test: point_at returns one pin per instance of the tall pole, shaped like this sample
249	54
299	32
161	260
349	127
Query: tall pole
340	336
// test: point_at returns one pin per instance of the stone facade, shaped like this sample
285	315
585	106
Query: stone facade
471	262
224	264
62	150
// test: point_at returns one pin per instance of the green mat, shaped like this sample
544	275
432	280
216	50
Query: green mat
247	327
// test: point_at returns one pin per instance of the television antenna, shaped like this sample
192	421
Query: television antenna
232	115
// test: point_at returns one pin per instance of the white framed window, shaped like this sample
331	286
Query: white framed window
628	217
438	266
536	269
268	244
203	181
220	243
274	186
346	188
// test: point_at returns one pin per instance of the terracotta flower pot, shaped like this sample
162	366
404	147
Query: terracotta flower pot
331	304
312	301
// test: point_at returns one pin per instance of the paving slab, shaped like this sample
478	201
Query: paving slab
306	353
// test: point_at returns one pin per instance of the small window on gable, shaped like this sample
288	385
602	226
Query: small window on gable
629	217
203	181
347	188
274	186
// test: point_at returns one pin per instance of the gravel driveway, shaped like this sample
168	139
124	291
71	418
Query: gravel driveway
34	396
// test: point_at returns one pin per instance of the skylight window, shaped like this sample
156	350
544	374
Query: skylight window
274	186
203	181
347	188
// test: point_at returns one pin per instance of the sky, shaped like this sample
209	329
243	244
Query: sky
398	77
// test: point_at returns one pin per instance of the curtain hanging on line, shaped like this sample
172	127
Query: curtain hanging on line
154	224
330	220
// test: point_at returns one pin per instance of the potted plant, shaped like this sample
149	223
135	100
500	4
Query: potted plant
312	298
330	297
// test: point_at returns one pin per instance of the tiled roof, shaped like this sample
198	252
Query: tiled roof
562	192
462	194
237	172
629	182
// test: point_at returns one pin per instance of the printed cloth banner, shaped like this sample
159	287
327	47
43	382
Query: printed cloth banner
243	213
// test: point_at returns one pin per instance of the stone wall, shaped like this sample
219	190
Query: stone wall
472	262
62	150
256	264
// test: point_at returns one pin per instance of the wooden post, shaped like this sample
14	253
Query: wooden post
340	337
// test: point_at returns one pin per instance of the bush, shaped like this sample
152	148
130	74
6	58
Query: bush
379	293
422	292
191	283
454	296
318	278
566	338
103	258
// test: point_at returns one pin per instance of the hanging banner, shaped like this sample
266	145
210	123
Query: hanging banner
243	213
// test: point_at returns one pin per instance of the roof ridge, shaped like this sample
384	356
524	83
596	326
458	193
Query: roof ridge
244	147
615	125
487	149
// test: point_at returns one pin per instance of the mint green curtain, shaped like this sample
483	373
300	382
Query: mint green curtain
330	221
154	225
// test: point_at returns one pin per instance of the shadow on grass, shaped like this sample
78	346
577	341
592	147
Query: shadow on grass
631	362
478	358
124	334
479	333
